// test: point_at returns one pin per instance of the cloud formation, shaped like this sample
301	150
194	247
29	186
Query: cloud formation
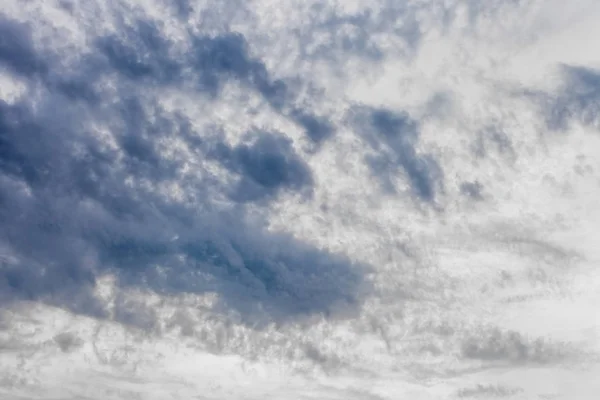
264	167
83	170
578	100
393	137
153	154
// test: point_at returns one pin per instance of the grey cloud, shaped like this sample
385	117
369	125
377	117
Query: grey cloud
73	207
140	53
393	137
17	51
317	129
507	346
265	166
576	100
487	391
580	98
335	37
472	189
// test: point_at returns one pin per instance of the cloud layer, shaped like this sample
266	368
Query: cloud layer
298	199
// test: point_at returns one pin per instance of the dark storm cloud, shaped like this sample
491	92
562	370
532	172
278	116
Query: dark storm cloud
74	205
393	137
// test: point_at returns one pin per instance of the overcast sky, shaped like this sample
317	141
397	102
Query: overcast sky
299	199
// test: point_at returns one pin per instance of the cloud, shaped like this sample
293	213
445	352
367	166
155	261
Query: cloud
493	140
67	341
393	137
183	8
17	52
370	34
135	187
579	99
265	167
487	391
339	35
139	52
82	174
472	189
317	129
508	346
227	56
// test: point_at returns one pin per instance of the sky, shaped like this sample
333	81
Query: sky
299	199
